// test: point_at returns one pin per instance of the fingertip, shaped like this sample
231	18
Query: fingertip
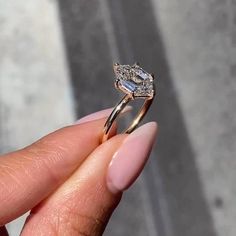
129	160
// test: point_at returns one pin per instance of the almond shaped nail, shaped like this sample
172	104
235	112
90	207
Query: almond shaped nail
129	160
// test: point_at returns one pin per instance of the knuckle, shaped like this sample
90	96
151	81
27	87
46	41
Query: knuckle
46	156
77	223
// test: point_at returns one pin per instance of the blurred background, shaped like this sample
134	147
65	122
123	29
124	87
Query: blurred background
56	65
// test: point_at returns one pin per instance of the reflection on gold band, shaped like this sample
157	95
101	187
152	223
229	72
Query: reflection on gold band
117	110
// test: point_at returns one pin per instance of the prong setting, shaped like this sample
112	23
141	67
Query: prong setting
134	81
116	84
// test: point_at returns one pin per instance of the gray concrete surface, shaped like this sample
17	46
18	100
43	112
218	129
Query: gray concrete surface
35	92
199	38
47	51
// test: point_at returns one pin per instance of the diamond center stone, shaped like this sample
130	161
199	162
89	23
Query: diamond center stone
141	74
133	80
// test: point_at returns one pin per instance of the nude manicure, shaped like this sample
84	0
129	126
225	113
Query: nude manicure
129	160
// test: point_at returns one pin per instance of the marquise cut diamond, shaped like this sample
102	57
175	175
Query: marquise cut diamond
134	80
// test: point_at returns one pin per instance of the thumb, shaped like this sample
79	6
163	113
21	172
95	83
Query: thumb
85	202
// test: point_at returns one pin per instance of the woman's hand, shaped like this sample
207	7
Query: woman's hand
69	181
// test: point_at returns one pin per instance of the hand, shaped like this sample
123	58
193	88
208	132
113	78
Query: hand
69	181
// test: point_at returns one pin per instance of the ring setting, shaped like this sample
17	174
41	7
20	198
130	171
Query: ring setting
135	83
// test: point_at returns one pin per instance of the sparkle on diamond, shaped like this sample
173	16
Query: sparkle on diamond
133	79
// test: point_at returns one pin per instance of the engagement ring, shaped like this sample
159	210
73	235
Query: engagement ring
135	83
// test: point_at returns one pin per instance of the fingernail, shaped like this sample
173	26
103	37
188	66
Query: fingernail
100	114
129	160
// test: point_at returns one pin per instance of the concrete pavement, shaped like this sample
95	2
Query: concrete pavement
47	51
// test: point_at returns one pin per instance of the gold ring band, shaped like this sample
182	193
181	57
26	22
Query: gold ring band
135	83
118	109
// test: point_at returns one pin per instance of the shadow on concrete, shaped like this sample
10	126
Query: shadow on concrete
139	39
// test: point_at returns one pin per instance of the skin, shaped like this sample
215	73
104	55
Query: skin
61	179
70	181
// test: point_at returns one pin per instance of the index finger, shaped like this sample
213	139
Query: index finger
29	175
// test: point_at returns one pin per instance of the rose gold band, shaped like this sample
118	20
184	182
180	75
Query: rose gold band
117	110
